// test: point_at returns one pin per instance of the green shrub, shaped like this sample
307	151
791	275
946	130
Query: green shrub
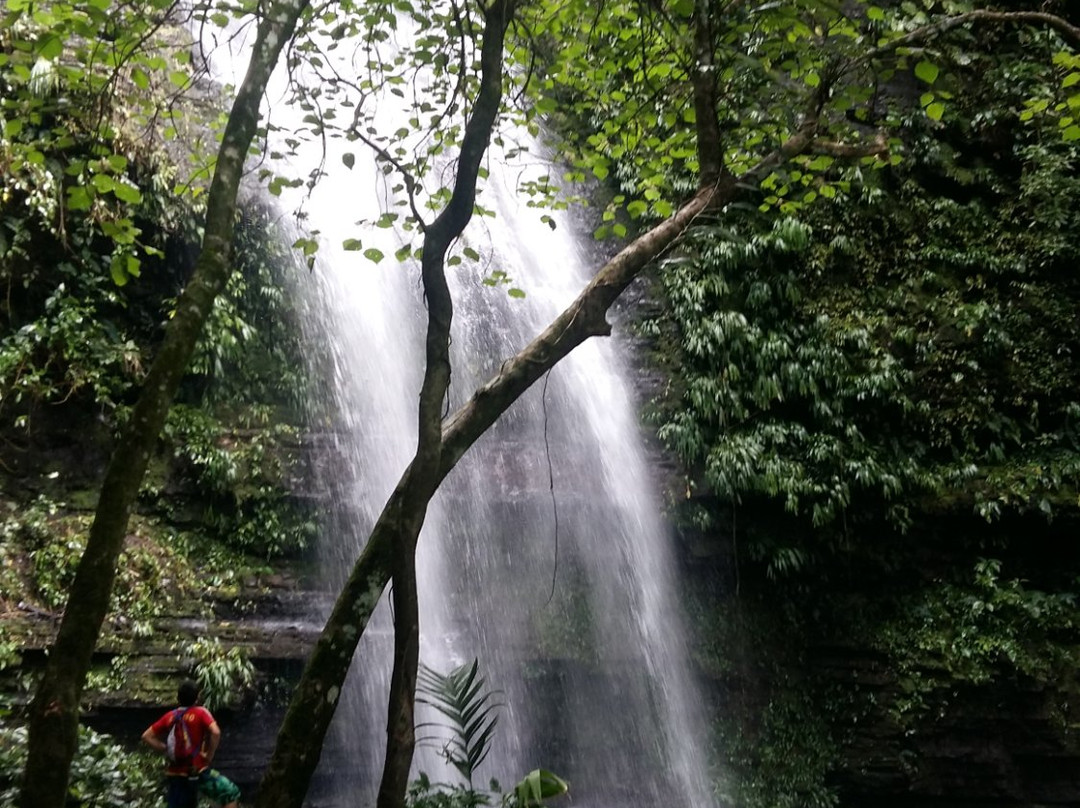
224	675
103	774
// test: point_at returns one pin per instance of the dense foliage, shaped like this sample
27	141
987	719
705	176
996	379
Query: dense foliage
99	221
877	393
103	774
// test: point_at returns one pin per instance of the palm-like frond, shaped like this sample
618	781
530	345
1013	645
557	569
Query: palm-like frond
471	710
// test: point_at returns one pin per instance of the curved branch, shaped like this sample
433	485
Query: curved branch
406	175
1065	29
587	315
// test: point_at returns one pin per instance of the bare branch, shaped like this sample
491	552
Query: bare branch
407	177
878	147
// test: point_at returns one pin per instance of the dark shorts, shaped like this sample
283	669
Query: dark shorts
184	792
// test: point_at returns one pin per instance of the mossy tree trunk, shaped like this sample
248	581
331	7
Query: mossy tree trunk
54	711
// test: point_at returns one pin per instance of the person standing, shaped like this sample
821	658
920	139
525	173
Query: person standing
189	736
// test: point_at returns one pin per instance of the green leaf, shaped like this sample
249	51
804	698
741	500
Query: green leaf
374	255
127	193
349	159
1071	133
1071	79
875	13
79	197
514	292
50	46
12	128
117	270
935	111
308	246
537	787
927	71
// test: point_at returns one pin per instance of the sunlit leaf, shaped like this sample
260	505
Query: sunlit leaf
927	71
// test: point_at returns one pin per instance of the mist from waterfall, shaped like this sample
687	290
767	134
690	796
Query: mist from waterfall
544	555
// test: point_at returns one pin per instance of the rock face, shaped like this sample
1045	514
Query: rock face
277	633
1006	745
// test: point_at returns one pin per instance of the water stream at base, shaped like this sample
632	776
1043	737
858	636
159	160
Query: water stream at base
544	555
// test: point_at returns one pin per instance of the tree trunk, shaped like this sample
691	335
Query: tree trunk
54	712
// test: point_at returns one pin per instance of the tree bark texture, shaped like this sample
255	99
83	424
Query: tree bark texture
54	712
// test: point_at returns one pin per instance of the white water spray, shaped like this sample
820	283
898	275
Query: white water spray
544	555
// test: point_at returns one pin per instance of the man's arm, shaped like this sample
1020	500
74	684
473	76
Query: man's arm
151	739
211	741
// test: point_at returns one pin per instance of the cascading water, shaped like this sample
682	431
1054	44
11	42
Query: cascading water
544	555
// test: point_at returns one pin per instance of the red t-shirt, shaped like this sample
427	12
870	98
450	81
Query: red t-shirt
197	720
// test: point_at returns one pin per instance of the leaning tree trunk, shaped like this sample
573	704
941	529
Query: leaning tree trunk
54	712
311	709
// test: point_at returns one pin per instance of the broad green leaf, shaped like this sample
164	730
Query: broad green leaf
50	46
127	193
374	255
875	13
103	183
1071	133
515	292
117	270
79	197
935	111
927	71
349	159
352	245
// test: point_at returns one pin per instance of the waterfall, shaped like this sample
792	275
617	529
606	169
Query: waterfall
544	554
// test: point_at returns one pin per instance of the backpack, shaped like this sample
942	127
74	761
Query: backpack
178	746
